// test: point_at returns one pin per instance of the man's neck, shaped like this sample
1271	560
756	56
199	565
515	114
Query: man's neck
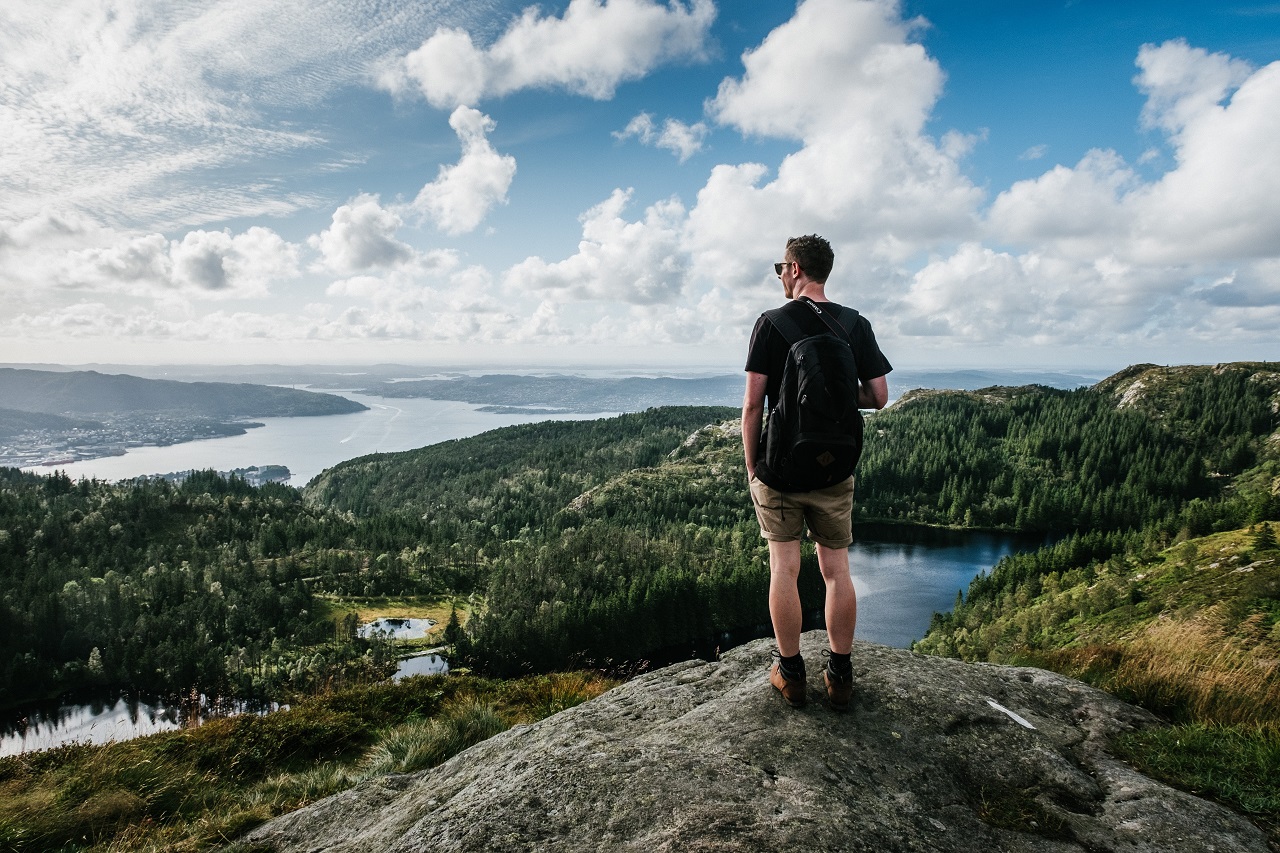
811	289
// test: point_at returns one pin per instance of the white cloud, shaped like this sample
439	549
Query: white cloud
406	288
131	110
844	66
244	265
1221	200
1254	285
1077	209
361	237
638	262
462	194
201	265
141	263
1035	152
843	78
641	127
1183	83
595	46
683	140
981	296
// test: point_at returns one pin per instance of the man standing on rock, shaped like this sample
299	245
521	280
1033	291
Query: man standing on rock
784	504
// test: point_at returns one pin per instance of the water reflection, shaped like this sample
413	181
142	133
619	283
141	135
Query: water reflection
425	664
100	720
397	628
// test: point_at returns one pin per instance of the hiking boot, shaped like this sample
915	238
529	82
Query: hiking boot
792	690
839	687
839	690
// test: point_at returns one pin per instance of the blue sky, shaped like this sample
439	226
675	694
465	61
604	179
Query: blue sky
1022	184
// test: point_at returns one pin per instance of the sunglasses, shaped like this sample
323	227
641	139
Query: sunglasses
777	268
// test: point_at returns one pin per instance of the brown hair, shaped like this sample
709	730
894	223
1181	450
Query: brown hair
813	254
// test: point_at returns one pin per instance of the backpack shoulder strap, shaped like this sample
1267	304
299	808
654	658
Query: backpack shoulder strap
786	327
842	327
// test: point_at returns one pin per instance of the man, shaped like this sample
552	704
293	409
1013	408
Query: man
828	511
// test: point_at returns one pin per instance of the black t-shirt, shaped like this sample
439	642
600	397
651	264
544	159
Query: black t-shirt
768	351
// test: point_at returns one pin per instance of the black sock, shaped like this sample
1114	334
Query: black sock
792	667
840	665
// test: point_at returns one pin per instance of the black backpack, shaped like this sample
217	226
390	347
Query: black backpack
813	437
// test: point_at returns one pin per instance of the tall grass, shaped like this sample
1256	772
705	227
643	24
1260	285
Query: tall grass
420	744
1192	670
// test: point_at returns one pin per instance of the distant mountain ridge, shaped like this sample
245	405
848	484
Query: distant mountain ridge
582	394
90	392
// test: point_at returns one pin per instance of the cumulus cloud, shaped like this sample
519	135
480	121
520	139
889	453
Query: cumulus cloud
407	288
1080	206
981	296
1220	201
1223	197
595	46
462	194
844	78
835	63
683	140
215	262
1183	83
362	236
201	265
142	262
639	262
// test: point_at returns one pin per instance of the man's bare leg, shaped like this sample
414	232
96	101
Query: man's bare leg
784	595
842	600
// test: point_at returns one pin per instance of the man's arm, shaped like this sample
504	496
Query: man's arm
872	394
753	418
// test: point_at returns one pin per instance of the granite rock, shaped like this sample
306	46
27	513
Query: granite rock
933	755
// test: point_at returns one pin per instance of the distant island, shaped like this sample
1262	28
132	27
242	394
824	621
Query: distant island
58	417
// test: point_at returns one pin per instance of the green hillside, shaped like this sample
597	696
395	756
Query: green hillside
1131	449
590	544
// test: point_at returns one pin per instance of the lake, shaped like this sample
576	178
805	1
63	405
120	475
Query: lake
904	575
308	446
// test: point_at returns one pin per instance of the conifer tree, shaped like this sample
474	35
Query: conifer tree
1264	538
453	628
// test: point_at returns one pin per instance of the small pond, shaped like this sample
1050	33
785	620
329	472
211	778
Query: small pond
429	663
398	628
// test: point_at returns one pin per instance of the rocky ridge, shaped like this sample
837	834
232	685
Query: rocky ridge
934	755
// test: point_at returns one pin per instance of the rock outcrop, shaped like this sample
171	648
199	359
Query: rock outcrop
933	755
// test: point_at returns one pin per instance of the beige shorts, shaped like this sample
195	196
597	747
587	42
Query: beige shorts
828	513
